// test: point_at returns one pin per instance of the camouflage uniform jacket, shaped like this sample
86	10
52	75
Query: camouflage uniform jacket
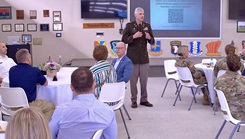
221	65
197	75
233	86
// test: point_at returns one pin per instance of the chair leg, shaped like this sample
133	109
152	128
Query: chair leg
177	86
124	122
177	91
192	91
194	98
213	105
238	128
126	112
221	128
178	94
165	87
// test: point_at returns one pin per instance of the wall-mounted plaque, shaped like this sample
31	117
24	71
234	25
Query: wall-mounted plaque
45	13
19	14
57	16
33	14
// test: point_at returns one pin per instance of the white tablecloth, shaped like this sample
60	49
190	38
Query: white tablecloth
56	92
209	73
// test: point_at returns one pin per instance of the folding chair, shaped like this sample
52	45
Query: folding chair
97	134
171	73
227	115
113	94
221	72
186	80
12	99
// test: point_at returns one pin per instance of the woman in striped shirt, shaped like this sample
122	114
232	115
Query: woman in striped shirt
102	71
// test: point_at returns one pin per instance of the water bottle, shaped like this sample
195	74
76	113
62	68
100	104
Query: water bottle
211	63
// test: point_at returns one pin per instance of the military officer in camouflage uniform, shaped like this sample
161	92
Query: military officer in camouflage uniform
221	64
198	77
233	86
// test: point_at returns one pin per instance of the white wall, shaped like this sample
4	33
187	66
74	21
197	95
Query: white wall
77	42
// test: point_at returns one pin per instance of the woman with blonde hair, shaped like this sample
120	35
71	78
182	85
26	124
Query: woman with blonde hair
28	123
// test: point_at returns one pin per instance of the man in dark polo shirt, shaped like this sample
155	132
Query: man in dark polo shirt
27	77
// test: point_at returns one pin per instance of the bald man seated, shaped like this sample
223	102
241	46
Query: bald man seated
122	64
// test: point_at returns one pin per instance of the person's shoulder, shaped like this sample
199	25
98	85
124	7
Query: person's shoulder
127	59
242	79
132	23
146	23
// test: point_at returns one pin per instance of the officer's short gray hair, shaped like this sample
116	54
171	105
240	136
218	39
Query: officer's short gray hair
138	9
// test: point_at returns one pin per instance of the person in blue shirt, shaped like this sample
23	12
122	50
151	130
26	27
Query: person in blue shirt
122	64
27	77
84	115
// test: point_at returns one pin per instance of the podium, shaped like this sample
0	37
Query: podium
12	49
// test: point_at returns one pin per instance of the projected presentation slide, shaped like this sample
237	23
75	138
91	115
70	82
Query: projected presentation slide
181	18
175	15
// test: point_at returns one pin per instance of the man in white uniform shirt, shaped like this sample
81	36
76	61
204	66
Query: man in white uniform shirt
5	62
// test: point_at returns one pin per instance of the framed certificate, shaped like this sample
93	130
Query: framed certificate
57	26
31	27
57	16
19	27
6	28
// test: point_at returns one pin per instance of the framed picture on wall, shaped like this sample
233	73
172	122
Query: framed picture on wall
44	27
33	14
26	38
240	26
45	13
5	12
19	27
57	16
57	26
31	27
6	28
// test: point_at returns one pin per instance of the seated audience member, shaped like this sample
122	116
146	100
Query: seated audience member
5	62
242	54
122	64
198	77
102	71
84	115
28	123
27	77
221	64
233	85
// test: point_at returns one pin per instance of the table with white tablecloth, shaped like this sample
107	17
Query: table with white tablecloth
209	73
57	92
